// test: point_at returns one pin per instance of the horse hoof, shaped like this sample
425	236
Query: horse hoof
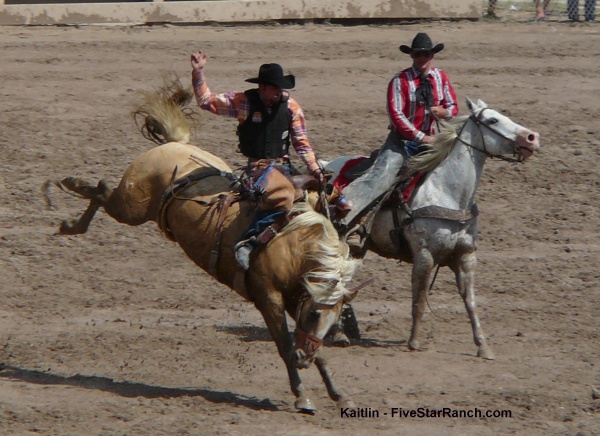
486	353
78	186
415	346
304	405
68	227
349	323
341	340
346	403
70	183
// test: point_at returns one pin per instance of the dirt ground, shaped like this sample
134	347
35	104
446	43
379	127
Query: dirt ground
117	332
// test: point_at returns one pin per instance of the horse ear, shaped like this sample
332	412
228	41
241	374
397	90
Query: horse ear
481	104
351	294
470	104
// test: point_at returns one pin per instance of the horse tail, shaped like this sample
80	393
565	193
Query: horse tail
327	282
164	116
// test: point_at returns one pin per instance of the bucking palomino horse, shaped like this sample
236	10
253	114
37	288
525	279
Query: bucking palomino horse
303	271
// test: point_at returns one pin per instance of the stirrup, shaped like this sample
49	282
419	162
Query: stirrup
358	229
356	238
359	224
243	249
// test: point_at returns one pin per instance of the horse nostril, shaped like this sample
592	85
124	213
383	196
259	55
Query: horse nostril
531	137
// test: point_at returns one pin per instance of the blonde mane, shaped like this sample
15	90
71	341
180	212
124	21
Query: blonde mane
326	283
440	149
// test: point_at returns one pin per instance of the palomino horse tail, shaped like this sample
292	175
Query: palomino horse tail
164	115
327	282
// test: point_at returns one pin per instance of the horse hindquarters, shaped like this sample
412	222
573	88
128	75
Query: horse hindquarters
122	204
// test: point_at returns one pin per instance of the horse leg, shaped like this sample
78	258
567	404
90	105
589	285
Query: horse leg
465	277
98	196
336	395
272	309
345	327
421	275
338	336
79	226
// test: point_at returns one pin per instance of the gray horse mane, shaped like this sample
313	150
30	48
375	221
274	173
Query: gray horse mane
442	145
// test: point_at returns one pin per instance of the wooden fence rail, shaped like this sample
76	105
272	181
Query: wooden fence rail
69	12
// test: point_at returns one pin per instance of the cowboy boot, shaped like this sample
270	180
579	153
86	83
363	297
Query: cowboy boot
242	254
339	208
264	228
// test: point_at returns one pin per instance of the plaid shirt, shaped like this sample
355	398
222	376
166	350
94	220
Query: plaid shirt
236	105
409	119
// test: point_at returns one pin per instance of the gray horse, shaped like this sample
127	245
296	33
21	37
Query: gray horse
438	225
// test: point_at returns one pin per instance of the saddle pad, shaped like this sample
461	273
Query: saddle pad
342	180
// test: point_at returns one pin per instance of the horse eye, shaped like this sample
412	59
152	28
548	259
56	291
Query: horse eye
314	313
492	121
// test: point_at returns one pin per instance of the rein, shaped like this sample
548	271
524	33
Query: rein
478	122
310	344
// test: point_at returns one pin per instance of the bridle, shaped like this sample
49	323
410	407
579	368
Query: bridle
479	123
310	344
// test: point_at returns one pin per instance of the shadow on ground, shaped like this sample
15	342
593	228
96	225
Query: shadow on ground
129	389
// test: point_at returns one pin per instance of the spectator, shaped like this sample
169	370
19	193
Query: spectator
491	11
540	10
588	10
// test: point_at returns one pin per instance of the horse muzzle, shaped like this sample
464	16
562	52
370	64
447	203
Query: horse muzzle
528	143
307	347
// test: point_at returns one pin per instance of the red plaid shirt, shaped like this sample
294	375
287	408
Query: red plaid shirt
236	105
410	119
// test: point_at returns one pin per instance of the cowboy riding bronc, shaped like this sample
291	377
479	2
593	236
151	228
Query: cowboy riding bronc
269	121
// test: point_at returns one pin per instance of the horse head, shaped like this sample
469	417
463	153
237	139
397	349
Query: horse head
327	268
313	322
498	134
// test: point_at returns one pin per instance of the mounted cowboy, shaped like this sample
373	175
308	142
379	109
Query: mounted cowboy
416	97
269	121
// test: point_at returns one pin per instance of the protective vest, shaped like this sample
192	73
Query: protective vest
265	135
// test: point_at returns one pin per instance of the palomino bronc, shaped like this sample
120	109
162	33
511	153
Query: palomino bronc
303	271
438	224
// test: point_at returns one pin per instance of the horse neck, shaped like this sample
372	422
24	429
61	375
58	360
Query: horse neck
453	183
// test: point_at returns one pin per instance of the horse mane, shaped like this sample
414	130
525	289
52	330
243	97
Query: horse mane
443	143
326	283
164	115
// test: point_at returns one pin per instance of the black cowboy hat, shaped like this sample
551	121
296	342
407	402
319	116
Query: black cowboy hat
272	74
421	42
